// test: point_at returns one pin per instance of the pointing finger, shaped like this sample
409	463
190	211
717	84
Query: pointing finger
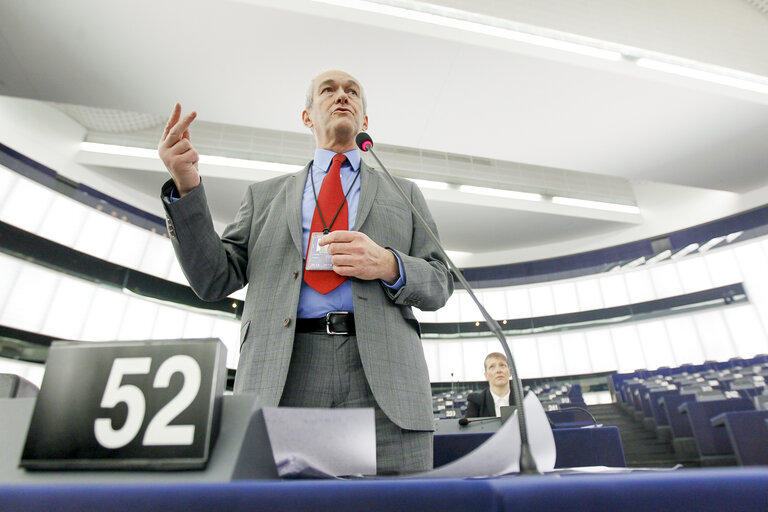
175	114
177	132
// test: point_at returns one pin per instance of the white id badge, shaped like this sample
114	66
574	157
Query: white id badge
318	257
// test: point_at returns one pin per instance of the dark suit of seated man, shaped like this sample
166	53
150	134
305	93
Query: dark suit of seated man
489	401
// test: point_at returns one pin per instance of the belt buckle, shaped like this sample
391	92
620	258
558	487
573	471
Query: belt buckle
328	322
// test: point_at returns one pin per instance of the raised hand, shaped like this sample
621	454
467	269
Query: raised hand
177	153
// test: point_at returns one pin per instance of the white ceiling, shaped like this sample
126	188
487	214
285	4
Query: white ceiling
248	63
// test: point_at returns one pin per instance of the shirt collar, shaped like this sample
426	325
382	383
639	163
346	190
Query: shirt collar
496	397
323	159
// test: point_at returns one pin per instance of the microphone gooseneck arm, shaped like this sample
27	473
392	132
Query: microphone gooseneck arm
527	463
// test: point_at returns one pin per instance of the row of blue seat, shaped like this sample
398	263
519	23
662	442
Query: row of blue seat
716	413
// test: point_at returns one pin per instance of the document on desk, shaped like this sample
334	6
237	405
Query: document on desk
309	442
500	454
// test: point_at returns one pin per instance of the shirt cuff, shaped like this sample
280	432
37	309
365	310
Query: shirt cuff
401	280
174	194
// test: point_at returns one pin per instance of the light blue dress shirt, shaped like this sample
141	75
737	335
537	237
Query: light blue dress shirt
311	303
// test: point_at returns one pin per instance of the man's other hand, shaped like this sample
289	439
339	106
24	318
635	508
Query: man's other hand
356	255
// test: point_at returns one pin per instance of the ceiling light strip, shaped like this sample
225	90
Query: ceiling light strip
496	192
596	205
110	149
470	22
719	78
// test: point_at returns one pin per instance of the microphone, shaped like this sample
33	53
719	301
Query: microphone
466	421
527	463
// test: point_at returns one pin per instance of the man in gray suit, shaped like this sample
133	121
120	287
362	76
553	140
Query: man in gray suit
353	343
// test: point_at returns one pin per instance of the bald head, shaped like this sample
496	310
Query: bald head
310	96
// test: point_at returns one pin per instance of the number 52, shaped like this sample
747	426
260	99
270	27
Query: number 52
159	432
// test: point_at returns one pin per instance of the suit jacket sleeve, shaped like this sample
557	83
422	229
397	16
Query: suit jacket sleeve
215	267
473	405
428	282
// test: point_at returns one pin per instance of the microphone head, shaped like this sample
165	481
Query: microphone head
364	141
463	421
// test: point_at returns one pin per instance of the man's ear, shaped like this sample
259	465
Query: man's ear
306	120
365	123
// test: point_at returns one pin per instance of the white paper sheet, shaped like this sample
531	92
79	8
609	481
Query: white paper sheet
501	453
332	442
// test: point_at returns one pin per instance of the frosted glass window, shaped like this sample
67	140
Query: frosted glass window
614	290
158	257
139	320
475	351
655	343
69	308
451	359
28	302
601	352
542	303
629	353
105	316
747	332
129	245
715	339
639	286
518	303
26	205
97	235
723	267
754	265
665	280
450	312
7	182
63	221
429	317
228	331
431	355
693	274
495	301
468	311
31	371
551	356
566	299
198	326
575	353
175	273
684	339
590	296
169	323
10	271
526	353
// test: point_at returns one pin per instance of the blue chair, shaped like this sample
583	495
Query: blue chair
748	433
713	444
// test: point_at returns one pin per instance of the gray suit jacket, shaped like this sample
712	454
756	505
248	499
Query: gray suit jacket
263	247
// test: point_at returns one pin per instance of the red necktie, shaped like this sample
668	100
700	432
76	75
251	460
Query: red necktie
329	200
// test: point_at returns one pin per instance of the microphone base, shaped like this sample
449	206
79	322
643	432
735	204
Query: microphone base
527	463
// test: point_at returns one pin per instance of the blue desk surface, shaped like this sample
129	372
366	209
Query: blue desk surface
575	447
704	490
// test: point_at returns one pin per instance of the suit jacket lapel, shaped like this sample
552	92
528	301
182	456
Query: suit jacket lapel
295	194
369	183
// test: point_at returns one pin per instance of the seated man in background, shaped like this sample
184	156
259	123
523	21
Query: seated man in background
489	401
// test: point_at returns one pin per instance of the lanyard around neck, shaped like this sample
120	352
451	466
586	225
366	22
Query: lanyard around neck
327	229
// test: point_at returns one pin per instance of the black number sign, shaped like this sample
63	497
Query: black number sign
127	405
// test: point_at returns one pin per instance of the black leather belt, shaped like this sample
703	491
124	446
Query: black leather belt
340	323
